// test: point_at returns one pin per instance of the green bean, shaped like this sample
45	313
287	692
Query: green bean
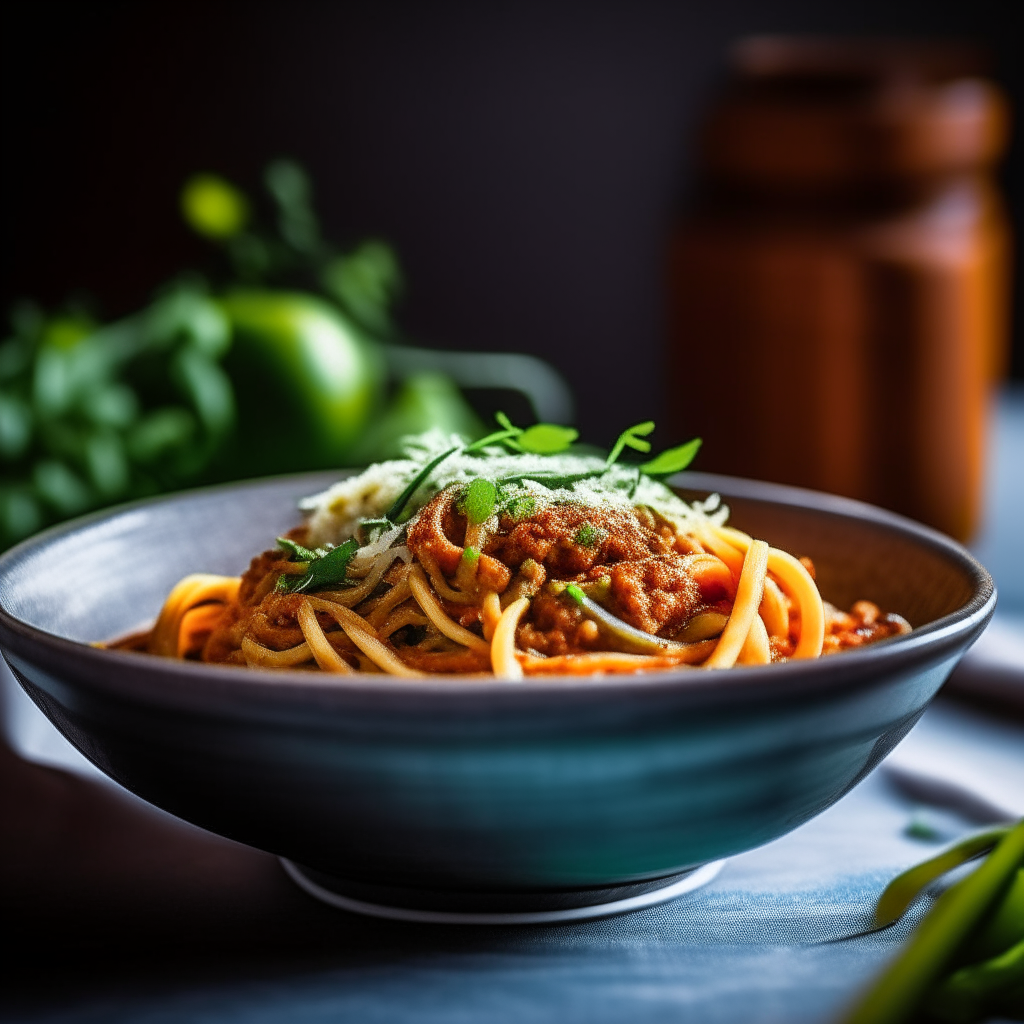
905	888
968	994
899	991
1003	928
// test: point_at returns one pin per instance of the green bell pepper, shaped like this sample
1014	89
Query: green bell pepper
306	381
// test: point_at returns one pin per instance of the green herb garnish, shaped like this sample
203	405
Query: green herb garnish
540	439
673	460
371	529
393	513
589	536
298	552
520	506
546	439
631	437
481	497
325	567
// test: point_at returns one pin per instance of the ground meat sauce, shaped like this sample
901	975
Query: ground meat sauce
863	624
657	594
650	583
645	569
570	539
269	618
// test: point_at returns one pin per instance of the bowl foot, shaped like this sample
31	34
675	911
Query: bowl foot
493	908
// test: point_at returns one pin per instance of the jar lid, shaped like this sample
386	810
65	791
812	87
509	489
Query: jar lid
822	113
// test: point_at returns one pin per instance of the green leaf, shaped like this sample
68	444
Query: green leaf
15	356
508	434
297	551
631	437
365	282
393	513
208	387
481	497
547	439
328	568
15	426
161	431
1004	927
20	515
213	207
674	460
107	463
61	487
66	332
289	184
111	405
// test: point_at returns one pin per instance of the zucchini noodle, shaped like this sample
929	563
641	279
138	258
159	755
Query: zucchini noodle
577	569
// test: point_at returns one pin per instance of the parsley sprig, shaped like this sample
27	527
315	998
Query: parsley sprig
483	495
540	439
326	567
673	460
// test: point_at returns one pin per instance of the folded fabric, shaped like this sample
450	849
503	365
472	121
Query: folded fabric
965	760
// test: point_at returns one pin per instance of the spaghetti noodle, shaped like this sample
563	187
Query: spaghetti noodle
479	560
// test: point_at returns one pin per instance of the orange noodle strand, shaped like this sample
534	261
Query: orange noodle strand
749	591
200	588
503	646
797	580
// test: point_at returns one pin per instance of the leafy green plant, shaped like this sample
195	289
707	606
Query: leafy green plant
280	359
92	415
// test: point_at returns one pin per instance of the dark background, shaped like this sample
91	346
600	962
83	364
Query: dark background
525	159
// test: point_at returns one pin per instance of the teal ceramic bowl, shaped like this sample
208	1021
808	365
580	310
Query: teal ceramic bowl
473	792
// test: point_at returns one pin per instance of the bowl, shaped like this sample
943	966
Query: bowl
473	795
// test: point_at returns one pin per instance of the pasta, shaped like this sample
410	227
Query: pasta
476	560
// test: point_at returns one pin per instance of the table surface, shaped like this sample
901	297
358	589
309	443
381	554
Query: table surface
122	913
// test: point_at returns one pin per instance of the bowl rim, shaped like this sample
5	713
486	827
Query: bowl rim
169	683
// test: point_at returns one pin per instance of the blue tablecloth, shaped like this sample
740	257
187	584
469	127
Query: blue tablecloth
767	941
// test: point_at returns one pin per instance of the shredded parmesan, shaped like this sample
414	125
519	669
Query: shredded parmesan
337	512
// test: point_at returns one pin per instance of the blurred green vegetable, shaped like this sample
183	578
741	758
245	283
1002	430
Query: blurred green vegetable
213	207
287	364
965	960
306	381
905	888
91	415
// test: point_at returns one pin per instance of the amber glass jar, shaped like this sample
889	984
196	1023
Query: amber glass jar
838	292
